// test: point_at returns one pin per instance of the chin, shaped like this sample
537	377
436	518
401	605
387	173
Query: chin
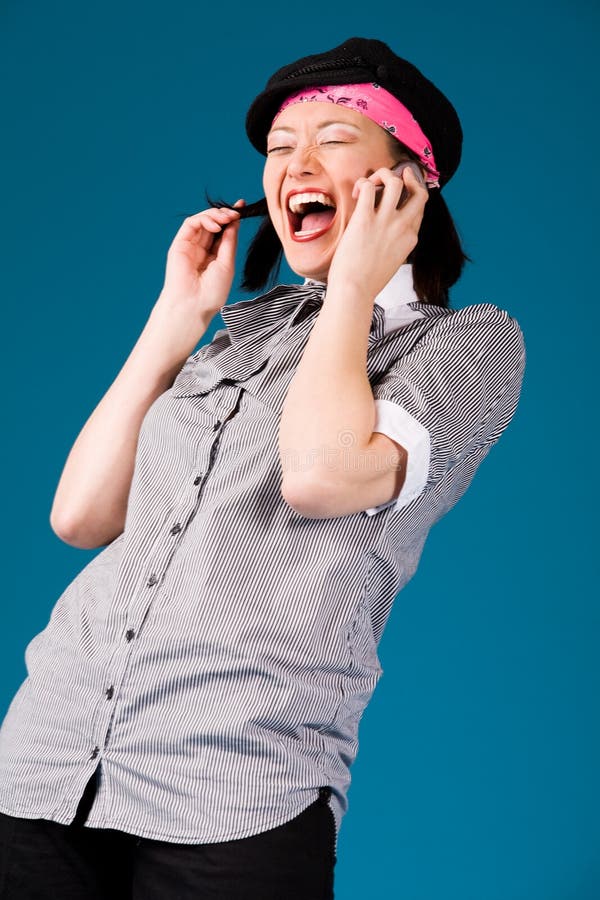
317	269
313	274
310	272
303	256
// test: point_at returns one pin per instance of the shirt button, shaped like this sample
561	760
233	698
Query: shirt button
176	529
109	692
324	793
95	752
130	634
197	479
152	580
216	425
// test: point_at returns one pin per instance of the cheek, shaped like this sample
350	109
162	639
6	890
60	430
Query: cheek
271	192
349	174
267	182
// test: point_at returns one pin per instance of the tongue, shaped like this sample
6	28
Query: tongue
317	220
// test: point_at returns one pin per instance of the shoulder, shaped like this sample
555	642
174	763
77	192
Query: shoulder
481	312
485	321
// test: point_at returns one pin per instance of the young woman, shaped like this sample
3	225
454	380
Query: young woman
191	710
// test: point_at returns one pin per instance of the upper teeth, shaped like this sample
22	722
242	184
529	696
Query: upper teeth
296	201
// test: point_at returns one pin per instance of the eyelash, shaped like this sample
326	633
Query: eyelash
273	149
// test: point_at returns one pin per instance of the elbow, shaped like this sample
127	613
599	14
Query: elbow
68	533
310	498
61	527
75	535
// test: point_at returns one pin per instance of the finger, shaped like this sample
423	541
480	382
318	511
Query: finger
364	190
413	182
199	229
357	186
204	228
234	219
388	185
195	225
363	187
222	216
227	244
390	194
383	176
399	196
418	194
216	211
210	219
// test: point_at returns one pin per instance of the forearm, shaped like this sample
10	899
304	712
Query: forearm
90	503
329	411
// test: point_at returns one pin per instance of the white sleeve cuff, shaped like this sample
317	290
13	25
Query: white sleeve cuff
393	420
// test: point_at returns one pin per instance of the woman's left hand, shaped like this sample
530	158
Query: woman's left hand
378	239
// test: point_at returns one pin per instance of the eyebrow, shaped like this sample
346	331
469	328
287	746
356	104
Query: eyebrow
319	126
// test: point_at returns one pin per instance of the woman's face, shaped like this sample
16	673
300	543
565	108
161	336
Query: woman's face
319	149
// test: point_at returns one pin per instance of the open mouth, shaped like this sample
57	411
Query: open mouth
310	214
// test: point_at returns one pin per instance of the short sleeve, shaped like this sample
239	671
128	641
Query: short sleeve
457	390
398	424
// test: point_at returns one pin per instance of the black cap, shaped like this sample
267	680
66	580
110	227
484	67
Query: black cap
360	60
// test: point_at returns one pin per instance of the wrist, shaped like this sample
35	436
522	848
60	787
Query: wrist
172	332
182	309
351	290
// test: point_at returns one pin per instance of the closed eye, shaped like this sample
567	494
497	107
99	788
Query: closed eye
276	149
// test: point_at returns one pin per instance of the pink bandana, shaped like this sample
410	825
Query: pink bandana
377	104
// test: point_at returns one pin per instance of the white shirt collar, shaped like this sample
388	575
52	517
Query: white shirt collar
398	291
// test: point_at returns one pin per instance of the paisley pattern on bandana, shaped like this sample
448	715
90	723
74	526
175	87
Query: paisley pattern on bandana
383	108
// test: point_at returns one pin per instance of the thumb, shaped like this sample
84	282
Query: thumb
228	243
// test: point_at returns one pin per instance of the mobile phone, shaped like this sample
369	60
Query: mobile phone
397	169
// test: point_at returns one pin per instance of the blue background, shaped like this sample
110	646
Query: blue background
477	776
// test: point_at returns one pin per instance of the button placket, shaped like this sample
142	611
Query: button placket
161	551
164	553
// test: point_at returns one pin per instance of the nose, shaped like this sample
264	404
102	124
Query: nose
303	161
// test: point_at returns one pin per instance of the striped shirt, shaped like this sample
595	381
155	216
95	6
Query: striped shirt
213	662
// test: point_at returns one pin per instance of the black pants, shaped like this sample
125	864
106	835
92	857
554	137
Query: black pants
42	859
